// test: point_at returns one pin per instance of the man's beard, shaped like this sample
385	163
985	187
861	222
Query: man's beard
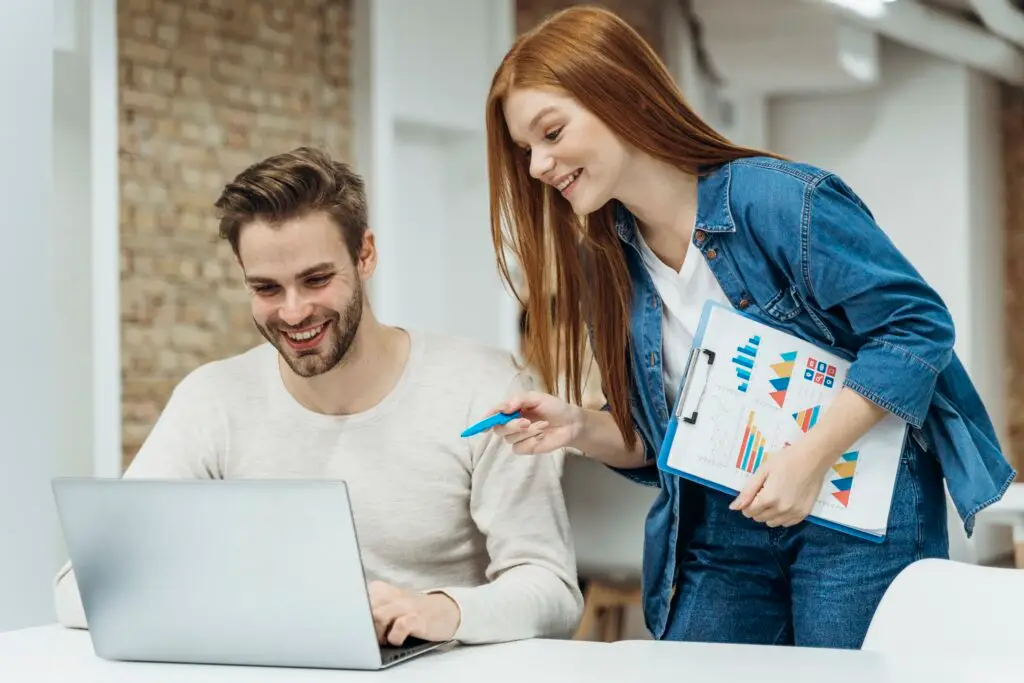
338	337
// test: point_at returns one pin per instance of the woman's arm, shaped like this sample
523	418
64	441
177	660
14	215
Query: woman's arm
599	438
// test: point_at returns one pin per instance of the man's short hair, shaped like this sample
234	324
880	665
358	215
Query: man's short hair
291	185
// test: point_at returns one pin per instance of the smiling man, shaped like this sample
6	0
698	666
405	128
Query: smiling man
461	538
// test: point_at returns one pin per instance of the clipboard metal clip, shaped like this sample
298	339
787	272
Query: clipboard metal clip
695	354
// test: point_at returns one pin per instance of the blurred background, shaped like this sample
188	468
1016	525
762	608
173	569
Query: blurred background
121	120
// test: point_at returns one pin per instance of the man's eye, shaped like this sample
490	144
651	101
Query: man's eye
318	281
265	290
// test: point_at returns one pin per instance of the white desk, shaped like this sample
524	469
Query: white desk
52	653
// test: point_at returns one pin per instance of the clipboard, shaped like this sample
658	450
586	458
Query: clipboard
748	391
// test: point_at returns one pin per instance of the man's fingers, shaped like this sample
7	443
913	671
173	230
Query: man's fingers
402	628
384	618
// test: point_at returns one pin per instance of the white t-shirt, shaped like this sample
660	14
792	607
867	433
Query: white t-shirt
433	511
683	294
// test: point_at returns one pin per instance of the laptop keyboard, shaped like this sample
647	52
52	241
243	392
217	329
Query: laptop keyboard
393	653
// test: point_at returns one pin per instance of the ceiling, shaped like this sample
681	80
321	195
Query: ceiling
794	46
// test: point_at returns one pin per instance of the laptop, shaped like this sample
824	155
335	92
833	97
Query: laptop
242	572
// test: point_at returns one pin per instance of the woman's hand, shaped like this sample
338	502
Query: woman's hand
547	423
783	490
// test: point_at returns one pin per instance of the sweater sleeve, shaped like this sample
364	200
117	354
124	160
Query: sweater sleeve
517	503
183	444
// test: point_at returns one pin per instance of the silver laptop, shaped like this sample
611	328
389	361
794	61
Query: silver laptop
244	572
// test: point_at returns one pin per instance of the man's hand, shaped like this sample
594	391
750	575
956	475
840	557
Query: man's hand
398	614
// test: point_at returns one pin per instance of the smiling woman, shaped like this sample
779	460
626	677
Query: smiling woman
602	174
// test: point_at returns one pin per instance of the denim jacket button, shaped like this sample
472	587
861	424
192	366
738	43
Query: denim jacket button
744	302
699	236
712	254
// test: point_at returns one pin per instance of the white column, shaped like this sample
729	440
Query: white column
28	382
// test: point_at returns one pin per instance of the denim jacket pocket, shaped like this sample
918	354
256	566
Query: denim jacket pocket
792	313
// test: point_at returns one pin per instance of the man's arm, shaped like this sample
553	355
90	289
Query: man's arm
183	444
518	504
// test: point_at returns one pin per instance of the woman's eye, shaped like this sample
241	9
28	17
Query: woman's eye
553	135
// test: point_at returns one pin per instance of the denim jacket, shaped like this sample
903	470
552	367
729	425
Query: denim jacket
793	247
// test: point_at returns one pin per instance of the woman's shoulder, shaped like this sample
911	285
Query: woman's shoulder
781	186
774	169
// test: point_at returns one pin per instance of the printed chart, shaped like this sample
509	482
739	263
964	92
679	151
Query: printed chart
772	390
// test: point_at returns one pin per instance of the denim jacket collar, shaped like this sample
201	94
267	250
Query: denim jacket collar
713	213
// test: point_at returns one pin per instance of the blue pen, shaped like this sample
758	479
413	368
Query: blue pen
487	423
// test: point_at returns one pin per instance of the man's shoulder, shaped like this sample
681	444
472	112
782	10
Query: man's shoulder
240	371
469	363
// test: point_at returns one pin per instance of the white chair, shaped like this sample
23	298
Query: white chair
946	607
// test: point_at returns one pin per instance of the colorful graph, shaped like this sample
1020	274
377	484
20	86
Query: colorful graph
783	372
744	361
845	468
751	447
807	418
820	372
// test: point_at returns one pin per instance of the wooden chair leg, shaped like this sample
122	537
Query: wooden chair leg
588	622
604	611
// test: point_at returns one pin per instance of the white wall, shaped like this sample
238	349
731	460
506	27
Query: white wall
60	403
33	324
922	150
423	155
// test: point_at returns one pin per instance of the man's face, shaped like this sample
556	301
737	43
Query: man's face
307	293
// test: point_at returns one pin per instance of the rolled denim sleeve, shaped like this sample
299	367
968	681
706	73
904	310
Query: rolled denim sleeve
851	265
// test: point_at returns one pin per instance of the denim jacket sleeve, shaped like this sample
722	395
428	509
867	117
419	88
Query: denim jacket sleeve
849	264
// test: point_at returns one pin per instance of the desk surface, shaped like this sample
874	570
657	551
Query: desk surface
52	653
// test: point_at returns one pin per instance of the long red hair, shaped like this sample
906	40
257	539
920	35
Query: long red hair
599	60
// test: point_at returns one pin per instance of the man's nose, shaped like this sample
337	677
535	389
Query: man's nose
295	309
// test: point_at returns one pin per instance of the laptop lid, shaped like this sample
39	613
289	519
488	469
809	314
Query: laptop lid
247	572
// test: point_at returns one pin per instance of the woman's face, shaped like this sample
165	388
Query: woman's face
569	148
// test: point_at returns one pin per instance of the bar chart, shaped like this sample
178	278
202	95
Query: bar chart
744	361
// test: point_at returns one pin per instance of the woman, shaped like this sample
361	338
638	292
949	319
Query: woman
619	202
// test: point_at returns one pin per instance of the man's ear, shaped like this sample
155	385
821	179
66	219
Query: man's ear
366	264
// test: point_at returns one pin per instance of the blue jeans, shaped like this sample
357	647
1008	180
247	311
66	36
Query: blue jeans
743	582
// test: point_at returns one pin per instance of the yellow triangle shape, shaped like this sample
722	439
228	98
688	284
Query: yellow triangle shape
845	469
783	369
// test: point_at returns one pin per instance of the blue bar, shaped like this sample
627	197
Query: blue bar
760	453
743	361
746	455
742	374
750	351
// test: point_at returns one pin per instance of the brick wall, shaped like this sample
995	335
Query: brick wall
207	87
643	15
1013	155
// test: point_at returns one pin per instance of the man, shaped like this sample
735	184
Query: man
461	538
